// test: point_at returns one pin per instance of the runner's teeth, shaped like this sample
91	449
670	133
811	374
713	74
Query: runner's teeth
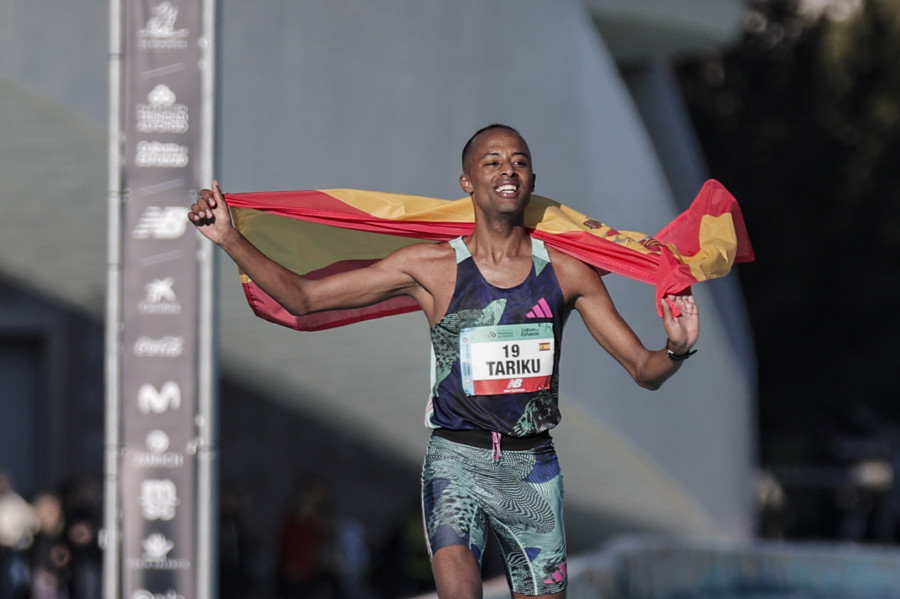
506	188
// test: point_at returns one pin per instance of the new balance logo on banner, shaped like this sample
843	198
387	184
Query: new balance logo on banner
169	222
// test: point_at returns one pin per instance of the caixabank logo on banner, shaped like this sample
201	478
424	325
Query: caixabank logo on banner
160	298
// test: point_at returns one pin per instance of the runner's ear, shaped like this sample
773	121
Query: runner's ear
465	183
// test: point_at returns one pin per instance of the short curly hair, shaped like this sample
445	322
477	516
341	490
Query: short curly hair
467	149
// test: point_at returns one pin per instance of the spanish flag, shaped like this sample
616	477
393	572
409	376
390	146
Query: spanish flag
319	232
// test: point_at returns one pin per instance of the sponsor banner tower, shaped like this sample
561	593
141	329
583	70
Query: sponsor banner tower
160	429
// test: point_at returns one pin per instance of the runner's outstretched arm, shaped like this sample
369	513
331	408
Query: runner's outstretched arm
649	368
298	295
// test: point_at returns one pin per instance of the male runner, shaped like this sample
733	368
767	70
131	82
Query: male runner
496	301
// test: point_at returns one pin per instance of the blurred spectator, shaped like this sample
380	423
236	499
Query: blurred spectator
403	568
351	559
234	577
305	563
51	558
81	495
18	525
82	509
87	558
771	505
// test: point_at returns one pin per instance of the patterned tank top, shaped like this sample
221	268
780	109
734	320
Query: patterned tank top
495	353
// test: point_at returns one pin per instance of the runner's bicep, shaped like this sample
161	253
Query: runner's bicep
607	326
358	288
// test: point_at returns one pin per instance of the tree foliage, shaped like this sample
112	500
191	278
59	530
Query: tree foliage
801	120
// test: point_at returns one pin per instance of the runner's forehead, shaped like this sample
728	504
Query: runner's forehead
496	152
488	143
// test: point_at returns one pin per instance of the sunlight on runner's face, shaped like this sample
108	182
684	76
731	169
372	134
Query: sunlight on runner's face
498	174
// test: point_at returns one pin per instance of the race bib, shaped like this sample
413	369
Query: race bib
507	358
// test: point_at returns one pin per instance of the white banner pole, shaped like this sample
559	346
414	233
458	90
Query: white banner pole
207	389
110	540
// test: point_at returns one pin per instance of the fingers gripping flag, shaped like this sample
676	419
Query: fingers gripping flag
316	233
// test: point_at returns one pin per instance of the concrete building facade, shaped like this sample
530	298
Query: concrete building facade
349	93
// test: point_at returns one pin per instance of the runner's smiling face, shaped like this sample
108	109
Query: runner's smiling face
497	173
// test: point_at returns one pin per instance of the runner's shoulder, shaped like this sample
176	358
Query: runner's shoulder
427	252
419	259
567	264
573	275
432	267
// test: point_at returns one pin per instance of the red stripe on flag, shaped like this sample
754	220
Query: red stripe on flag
291	202
319	207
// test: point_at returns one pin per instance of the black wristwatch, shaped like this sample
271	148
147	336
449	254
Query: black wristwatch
678	357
